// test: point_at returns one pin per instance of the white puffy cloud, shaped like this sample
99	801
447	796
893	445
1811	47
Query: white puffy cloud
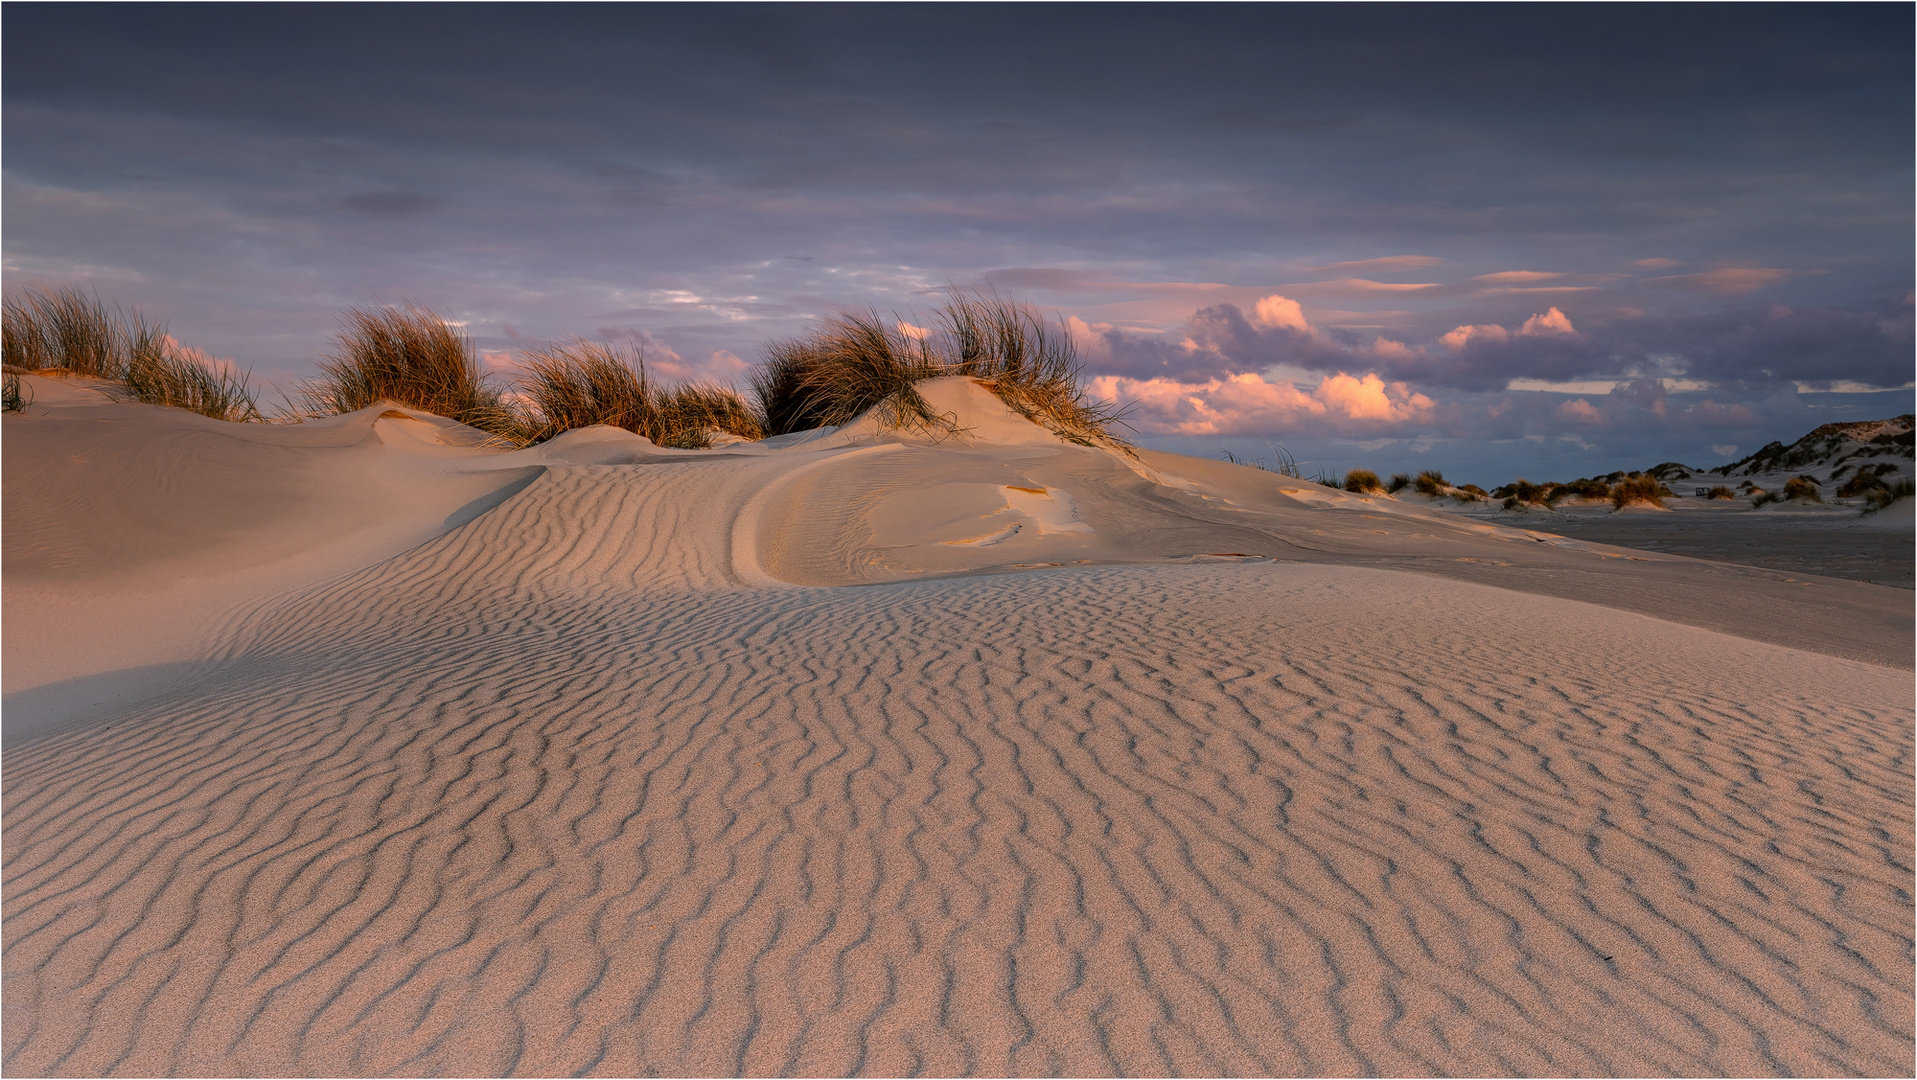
1277	312
1551	322
1249	403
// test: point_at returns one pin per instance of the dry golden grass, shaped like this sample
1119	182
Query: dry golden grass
1802	489
1638	489
581	383
66	330
411	356
1363	482
1430	482
858	362
169	377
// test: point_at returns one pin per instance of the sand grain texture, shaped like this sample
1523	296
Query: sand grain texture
582	785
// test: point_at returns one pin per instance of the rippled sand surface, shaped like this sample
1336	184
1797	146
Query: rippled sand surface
578	786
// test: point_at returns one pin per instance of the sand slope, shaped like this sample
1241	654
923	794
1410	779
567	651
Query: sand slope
614	776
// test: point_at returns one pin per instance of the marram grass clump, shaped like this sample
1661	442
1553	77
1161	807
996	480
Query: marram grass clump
582	383
858	362
67	331
14	397
411	356
1363	482
171	377
1638	489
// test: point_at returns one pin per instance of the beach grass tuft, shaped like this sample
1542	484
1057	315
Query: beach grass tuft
169	376
1882	496
1720	492
68	331
1802	489
1638	489
858	362
1399	481
408	355
1363	482
581	383
1430	482
14	397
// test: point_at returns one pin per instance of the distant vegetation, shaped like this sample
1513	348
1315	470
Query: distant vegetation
1363	482
1638	489
65	331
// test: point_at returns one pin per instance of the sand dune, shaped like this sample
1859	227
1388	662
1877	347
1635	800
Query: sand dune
619	760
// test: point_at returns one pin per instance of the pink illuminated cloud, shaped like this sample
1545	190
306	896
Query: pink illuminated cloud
1388	262
1516	277
1728	280
1246	403
1277	312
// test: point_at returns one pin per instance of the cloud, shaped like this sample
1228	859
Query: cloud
1388	262
1509	277
1551	322
1457	339
1580	411
1364	285
1726	281
1248	404
1655	264
1276	312
916	333
1369	398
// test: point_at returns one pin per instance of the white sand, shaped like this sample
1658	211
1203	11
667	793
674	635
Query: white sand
341	749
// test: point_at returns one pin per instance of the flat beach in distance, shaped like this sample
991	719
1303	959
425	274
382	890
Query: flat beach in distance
366	746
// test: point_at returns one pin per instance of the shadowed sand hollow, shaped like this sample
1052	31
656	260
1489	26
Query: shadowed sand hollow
707	763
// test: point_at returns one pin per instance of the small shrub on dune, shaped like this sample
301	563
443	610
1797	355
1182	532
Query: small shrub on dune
1430	482
1863	483
1638	489
1399	481
857	362
1802	489
1363	482
411	356
1469	493
1720	492
1881	497
1522	494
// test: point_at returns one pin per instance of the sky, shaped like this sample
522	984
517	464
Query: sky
1493	240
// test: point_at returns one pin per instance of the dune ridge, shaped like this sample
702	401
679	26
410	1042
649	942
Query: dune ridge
581	785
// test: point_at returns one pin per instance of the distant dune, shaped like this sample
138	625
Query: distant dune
361	747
